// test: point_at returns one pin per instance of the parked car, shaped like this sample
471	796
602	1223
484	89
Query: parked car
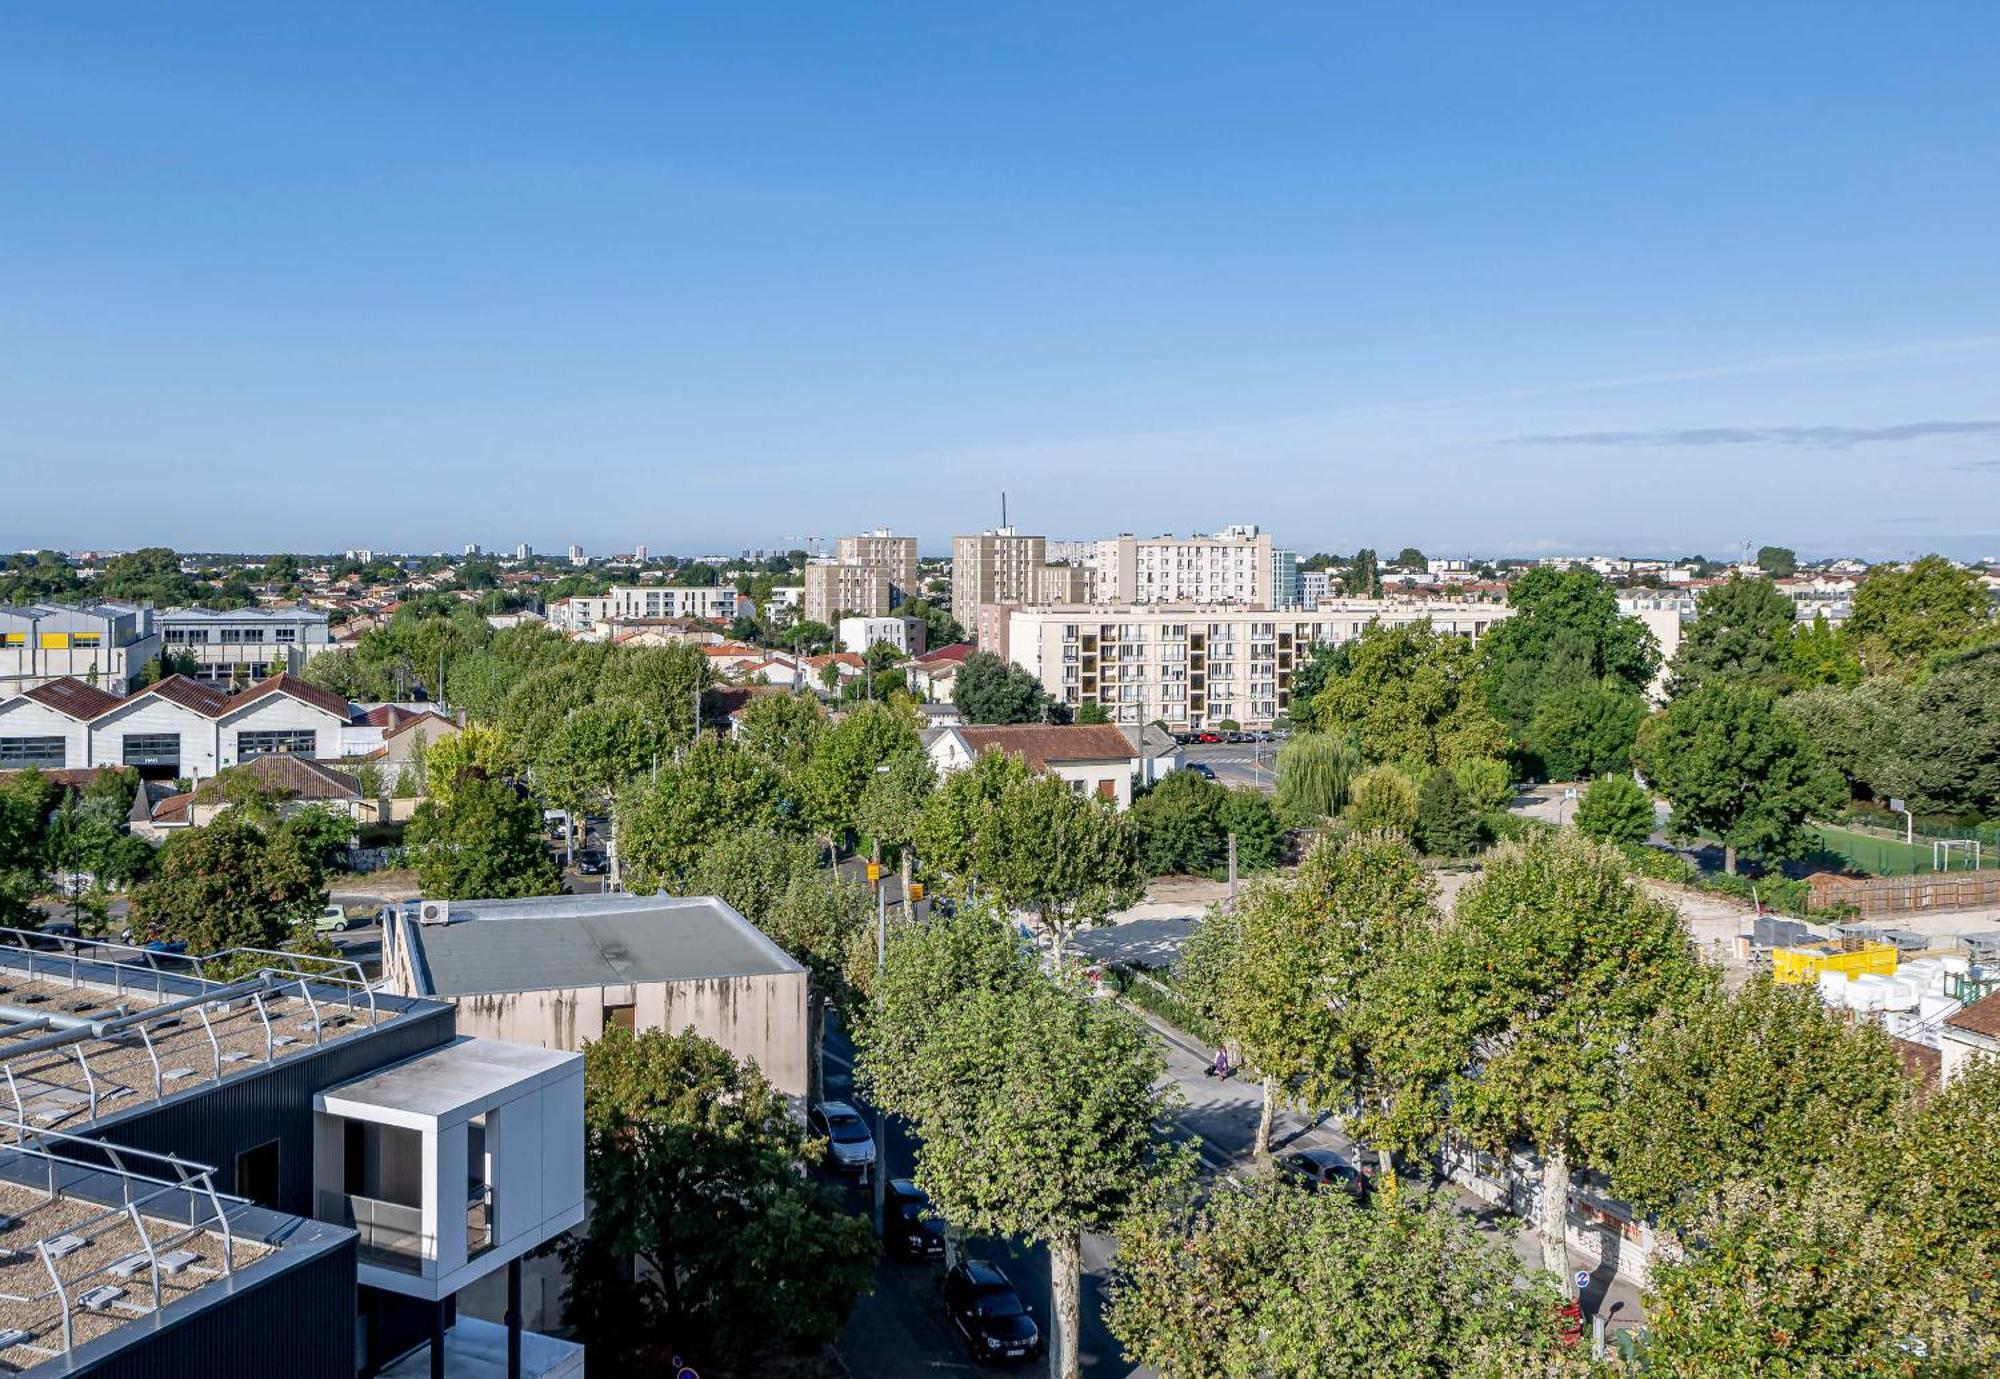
1207	737
989	1314
1202	769
1326	1169
57	935
913	1229
333	920
850	1147
592	864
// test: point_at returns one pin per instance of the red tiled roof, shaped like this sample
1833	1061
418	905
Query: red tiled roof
418	720
1981	1017
956	651
72	698
1038	744
292	687
205	700
1922	1064
298	778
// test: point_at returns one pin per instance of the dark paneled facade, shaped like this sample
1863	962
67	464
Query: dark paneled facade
296	1322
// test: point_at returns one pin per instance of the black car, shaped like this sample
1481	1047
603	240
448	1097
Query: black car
1325	1169
592	864
1202	769
989	1314
913	1230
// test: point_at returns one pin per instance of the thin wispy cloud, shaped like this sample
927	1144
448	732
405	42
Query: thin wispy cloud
1816	437
1979	467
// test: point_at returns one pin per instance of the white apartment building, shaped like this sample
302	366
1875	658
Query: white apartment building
103	644
1195	667
648	602
1315	588
1233	566
243	644
859	634
896	554
834	588
997	566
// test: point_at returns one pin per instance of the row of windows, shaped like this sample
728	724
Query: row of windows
151	749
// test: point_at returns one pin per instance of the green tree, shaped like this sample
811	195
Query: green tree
1510	1023
1067	857
1093	712
1362	577
940	628
1382	798
1320	664
893	800
1037	1113
844	761
1742	631
1176	825
784	729
231	884
952	834
1486	782
595	749
485	843
27	799
990	690
1615	809
1901	618
150	573
1734	765
1315	771
1409	694
1859	732
1248	814
1273	1281
1806	1280
1943	753
1761	1083
1819	653
819	917
1779	562
1446	825
1585	729
694	1165
1564	631
472	752
665	823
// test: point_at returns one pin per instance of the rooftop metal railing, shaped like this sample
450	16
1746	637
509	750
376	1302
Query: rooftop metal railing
153	1192
178	988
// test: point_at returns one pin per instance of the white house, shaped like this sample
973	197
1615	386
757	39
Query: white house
1095	758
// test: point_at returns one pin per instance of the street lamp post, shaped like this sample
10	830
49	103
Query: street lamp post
881	1123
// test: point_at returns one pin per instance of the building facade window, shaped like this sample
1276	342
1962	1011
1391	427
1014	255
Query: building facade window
153	749
275	742
49	753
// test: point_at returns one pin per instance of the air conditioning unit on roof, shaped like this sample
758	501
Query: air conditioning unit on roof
434	912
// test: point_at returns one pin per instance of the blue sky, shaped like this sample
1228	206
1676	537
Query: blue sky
1487	277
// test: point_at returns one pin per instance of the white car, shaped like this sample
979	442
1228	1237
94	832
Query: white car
850	1146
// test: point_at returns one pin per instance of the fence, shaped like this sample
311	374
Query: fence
1890	895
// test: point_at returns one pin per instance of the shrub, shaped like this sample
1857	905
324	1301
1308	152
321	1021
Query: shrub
1446	825
1382	797
1615	809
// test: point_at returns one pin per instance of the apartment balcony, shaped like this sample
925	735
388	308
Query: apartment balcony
452	1163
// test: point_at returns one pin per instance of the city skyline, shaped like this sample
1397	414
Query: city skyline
1444	281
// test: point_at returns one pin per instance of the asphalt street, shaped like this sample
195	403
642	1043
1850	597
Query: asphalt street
900	1331
1238	763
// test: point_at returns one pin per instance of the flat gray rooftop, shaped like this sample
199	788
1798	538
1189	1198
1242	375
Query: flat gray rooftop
581	941
440	1084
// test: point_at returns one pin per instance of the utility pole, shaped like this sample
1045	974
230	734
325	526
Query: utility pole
1232	871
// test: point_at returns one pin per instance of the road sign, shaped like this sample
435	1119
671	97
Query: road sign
916	891
1898	807
1569	792
1582	1281
874	872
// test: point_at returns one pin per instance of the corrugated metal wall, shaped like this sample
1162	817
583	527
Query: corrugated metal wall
298	1323
213	1124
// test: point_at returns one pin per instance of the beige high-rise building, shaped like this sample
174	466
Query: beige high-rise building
1232	566
896	554
1063	584
833	589
998	566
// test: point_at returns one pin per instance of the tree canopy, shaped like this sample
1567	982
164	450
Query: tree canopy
485	844
990	690
1410	694
233	883
1903	617
1732	764
1742	631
